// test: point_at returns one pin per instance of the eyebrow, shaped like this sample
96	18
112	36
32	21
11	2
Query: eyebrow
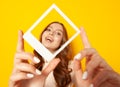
57	28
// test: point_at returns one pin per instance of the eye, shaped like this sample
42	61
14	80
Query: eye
58	33
48	29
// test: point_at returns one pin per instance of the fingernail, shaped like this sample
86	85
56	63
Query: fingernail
91	85
85	74
36	59
30	75
38	72
78	56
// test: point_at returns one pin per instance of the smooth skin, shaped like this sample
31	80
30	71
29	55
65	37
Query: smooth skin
99	73
24	73
54	32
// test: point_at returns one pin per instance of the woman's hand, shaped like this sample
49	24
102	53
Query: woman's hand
106	78
97	70
24	72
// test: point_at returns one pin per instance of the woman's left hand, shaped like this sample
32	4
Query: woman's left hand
95	64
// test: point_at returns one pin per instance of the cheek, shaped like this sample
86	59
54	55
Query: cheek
43	35
58	39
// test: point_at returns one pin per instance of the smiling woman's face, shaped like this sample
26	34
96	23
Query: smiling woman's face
52	36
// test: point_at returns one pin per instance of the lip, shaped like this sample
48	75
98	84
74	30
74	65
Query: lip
48	38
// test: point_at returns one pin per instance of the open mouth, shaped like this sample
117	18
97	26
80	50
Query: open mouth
49	39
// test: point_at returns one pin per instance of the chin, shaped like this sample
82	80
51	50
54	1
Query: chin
49	47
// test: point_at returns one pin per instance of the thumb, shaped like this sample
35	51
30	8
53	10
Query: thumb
52	65
20	44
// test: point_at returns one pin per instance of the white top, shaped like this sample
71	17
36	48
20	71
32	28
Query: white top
50	80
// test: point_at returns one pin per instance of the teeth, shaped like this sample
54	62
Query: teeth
49	39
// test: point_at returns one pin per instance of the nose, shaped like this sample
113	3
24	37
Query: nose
51	33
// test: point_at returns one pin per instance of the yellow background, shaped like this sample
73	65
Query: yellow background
100	18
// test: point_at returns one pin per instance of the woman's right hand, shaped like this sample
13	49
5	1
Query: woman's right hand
23	71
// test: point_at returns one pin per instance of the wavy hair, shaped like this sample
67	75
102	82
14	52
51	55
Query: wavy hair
61	72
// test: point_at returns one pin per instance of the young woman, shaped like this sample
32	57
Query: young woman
53	37
57	74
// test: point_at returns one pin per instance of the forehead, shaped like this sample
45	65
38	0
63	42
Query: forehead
56	26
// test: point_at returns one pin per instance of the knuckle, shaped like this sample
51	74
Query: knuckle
31	68
96	57
16	55
25	67
17	66
11	77
90	66
93	49
29	54
83	51
105	72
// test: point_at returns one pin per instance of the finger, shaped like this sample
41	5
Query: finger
87	52
76	65
52	65
20	76
79	82
84	38
77	69
24	67
92	65
24	56
20	44
94	61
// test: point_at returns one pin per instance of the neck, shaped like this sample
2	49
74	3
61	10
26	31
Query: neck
52	51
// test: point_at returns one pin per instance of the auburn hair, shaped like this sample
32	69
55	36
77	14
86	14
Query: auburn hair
62	71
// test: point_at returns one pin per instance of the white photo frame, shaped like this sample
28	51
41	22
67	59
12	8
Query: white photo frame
37	45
